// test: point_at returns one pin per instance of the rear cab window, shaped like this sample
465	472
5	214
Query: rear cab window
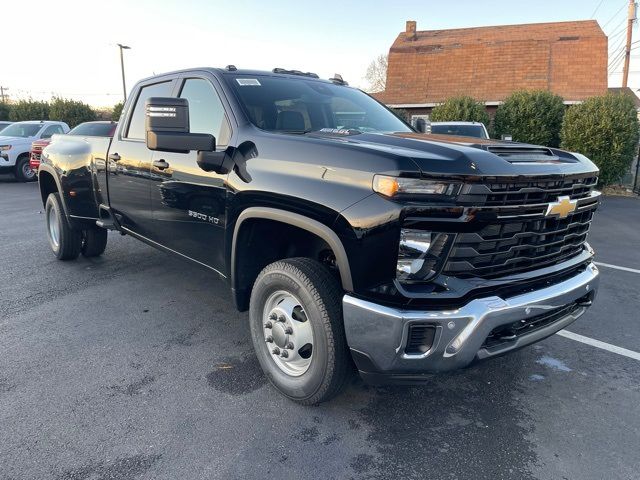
136	128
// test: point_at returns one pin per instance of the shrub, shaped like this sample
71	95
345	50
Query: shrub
401	113
29	110
5	111
531	116
460	109
605	129
117	111
72	112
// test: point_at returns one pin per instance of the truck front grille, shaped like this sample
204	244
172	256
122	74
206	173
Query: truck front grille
514	233
528	193
504	248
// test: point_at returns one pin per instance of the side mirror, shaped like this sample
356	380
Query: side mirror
421	125
167	127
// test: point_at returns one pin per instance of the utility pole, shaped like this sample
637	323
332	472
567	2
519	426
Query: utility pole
124	85
627	53
2	90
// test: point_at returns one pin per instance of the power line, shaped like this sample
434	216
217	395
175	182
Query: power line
596	10
612	70
614	15
620	30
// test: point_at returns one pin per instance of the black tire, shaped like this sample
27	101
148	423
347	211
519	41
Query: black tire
23	172
94	242
66	243
320	295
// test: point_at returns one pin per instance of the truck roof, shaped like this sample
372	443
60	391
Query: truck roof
276	72
42	122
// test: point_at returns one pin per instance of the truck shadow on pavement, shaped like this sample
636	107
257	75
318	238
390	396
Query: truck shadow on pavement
461	419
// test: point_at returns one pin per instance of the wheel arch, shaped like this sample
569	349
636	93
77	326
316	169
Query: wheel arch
49	183
312	227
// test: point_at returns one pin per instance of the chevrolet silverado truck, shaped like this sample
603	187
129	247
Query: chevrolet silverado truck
351	238
15	145
93	129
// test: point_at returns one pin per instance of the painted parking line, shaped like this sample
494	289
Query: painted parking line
624	269
598	344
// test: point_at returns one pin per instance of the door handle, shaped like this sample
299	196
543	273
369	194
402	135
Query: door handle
160	164
114	157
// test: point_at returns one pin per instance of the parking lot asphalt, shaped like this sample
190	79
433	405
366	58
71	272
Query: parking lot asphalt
135	365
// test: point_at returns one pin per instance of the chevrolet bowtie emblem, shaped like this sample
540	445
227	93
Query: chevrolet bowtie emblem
562	208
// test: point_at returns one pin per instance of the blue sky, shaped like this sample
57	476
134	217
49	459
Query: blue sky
76	56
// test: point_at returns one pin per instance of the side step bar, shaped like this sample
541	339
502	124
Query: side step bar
106	220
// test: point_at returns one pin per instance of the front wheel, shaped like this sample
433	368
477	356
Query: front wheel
23	171
297	330
65	241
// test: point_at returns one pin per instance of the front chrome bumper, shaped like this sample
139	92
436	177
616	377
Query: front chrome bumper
377	335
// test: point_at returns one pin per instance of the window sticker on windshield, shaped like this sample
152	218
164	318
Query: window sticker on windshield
340	131
248	82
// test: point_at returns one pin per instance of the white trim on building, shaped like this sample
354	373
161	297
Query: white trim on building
488	104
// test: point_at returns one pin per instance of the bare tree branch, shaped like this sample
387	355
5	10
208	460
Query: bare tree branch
377	74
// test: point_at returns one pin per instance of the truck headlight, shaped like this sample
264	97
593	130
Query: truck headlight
5	147
420	254
393	186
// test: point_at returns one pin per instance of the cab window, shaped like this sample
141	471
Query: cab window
206	112
51	130
136	124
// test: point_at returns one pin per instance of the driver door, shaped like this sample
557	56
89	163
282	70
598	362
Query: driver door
189	204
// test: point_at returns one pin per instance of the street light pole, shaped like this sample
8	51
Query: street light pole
124	85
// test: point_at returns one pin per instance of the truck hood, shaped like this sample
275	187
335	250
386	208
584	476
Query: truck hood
436	155
15	140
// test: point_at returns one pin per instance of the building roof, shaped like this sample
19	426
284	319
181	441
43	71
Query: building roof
489	63
627	91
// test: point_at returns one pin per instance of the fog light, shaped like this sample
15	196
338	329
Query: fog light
419	254
420	339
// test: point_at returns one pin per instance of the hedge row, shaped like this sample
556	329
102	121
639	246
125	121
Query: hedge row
71	112
603	128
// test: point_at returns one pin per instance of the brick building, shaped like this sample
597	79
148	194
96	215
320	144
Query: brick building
488	63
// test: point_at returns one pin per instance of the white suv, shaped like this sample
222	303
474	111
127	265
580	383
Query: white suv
15	145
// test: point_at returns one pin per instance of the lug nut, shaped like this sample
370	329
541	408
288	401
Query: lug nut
289	346
282	319
273	316
284	354
268	325
269	339
276	351
288	330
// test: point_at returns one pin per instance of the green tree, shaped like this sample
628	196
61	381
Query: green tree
117	111
605	129
29	110
460	109
531	116
5	111
72	112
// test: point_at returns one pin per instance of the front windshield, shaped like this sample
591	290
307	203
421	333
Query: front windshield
460	130
23	130
300	105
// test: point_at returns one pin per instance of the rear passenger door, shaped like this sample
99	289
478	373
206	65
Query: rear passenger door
129	163
189	204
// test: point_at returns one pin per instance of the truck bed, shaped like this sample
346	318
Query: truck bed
81	166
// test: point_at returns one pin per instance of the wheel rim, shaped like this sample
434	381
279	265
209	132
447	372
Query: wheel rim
287	333
54	227
27	172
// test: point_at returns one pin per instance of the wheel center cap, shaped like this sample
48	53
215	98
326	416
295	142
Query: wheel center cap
279	335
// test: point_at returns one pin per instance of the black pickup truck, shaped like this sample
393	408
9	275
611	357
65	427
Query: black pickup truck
350	237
